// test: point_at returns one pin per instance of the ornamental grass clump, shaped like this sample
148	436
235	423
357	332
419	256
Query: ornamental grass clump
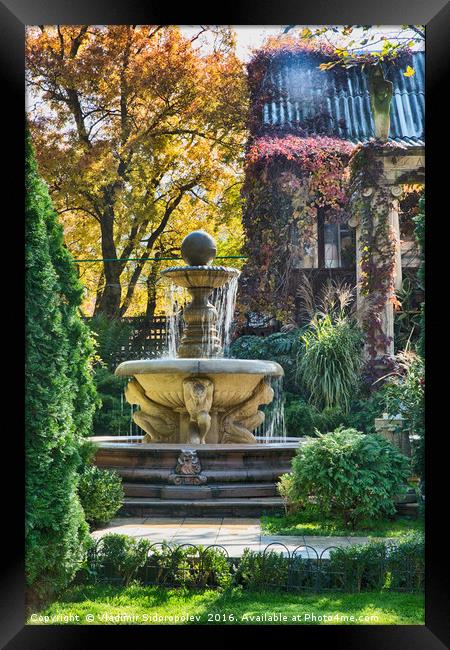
330	361
349	474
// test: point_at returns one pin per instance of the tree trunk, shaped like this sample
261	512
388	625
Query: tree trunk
109	303
151	288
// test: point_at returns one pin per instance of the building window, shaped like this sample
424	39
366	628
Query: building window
336	244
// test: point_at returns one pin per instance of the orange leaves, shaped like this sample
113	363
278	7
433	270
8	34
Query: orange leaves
395	302
128	121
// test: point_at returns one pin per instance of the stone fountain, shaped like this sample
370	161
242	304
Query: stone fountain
199	413
199	397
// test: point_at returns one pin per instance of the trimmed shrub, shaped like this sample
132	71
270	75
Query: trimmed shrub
398	566
188	566
329	362
262	570
101	494
406	564
349	473
120	558
60	398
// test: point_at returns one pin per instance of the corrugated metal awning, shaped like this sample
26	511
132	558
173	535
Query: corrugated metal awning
337	101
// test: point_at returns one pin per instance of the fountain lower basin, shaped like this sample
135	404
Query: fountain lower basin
199	401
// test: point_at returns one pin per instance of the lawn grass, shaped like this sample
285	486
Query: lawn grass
309	523
137	605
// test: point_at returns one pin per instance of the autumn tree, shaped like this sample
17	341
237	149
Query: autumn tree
134	129
363	45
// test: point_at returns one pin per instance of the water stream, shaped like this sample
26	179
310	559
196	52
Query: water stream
274	425
175	298
225	302
223	299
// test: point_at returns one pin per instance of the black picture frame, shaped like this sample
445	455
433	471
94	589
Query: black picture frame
435	14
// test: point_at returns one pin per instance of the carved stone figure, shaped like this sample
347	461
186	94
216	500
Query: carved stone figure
188	469
159	423
240	421
198	398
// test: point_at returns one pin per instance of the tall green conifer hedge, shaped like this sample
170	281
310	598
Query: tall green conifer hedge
60	397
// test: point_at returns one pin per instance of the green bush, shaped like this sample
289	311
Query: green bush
101	494
405	394
262	570
60	397
406	564
120	558
303	419
329	362
364	410
190	567
380	565
110	335
360	567
350	474
285	487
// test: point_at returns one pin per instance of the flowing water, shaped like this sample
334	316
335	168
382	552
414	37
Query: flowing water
225	302
175	299
274	425
223	299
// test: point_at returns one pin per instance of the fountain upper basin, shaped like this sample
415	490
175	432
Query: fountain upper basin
192	277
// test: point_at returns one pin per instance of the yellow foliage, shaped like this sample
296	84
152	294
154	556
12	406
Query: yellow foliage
140	138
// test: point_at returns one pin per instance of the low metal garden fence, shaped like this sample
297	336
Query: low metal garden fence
276	568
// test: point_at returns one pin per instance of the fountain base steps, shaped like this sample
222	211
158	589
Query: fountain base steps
202	480
242	507
197	492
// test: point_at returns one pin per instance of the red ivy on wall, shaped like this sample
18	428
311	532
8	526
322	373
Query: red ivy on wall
287	179
377	250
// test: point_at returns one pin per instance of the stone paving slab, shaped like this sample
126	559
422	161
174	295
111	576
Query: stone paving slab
316	539
235	534
159	521
241	521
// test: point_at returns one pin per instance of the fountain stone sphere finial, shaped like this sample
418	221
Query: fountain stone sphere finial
198	248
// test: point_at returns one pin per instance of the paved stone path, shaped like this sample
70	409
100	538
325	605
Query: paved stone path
234	534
